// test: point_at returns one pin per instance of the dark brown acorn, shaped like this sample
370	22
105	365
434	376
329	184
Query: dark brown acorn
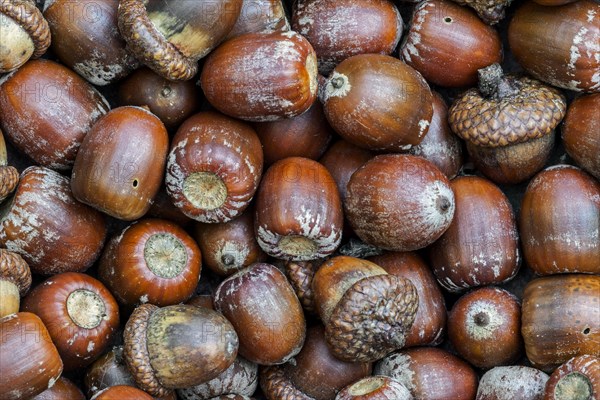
214	167
25	34
338	29
562	51
51	230
578	378
120	164
430	373
261	76
375	388
61	390
561	319
178	346
260	16
15	281
152	261
366	312
377	102
170	37
86	39
266	314
298	211
560	222
80	313
508	123
399	202
171	101
121	392
448	43
512	382
46	110
481	246
581	133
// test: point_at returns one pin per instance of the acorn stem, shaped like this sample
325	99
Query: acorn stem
493	82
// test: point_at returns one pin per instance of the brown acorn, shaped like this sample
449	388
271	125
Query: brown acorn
491	11
581	133
399	202
214	167
170	37
46	110
419	367
121	392
261	76
448	43
25	34
15	281
62	389
86	39
377	102
337	29
561	319
260	16
481	246
51	230
578	378
560	222
366	312
80	313
512	382
119	167
562	51
375	388
508	123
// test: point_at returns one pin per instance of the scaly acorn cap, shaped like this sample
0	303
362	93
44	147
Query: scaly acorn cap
301	274
9	179
276	385
506	110
30	18
14	269
490	11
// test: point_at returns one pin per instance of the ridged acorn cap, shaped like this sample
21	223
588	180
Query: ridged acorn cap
14	269
490	11
30	18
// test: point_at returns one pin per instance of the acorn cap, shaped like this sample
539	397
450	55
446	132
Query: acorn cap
276	385
506	110
301	274
372	318
136	354
9	178
30	18
490	11
14	269
148	45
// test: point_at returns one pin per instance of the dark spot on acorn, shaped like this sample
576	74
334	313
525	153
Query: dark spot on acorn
135	183
448	20
444	204
482	319
227	259
337	82
586	331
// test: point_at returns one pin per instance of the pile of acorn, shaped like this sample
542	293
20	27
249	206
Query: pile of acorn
360	238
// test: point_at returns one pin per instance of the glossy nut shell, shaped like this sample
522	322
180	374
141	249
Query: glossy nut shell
62	389
375	388
581	133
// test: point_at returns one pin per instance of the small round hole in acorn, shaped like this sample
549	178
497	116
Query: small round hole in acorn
86	308
574	386
165	255
135	183
586	331
448	20
205	190
366	386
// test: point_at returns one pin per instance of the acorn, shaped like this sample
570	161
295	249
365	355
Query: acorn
15	281
419	367
563	50
481	246
62	389
171	101
261	76
80	313
163	208
484	326
375	388
560	319
337	29
170	37
512	382
46	110
260	16
430	320
152	261
121	392
508	123
377	102
491	11
45	224
448	43
214	167
30	363
581	133
265	312
300	274
276	385
399	202
119	167
298	211
25	34
229	246
560	221
177	346
578	378
367	312
440	145
86	39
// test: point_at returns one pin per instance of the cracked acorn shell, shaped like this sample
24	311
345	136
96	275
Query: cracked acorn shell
170	37
377	102
15	281
25	33
177	346
367	312
578	378
261	77
508	123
